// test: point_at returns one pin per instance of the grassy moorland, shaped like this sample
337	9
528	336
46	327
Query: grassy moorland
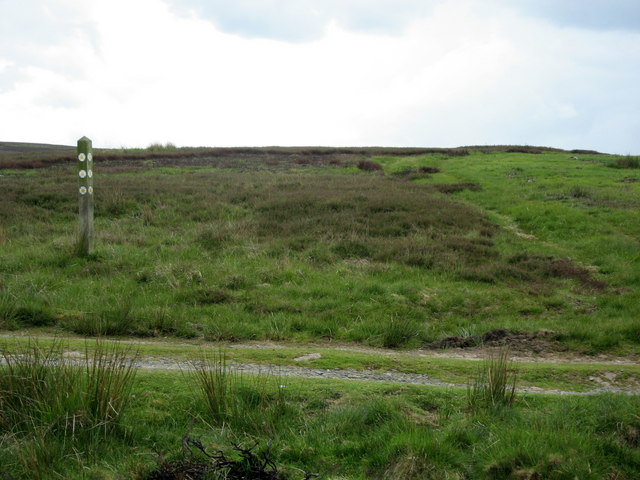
397	249
307	246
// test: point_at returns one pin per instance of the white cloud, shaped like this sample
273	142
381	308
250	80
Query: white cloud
304	20
132	73
603	15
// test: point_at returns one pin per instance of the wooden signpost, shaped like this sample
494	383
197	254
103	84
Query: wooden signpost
85	194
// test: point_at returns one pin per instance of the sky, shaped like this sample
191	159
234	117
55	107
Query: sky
413	73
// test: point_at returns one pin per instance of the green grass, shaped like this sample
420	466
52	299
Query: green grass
343	430
301	247
39	386
51	406
270	247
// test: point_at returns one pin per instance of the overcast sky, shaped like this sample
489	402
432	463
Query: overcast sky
561	73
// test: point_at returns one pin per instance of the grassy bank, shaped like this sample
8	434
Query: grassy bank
340	429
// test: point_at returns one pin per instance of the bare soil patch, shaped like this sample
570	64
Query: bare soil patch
536	342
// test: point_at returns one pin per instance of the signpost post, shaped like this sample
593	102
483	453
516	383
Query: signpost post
85	194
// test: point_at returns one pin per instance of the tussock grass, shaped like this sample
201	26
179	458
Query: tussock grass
217	385
54	406
109	381
39	388
250	403
299	244
626	162
494	386
8	311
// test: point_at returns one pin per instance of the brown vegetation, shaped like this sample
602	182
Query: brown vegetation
369	166
530	341
26	156
184	156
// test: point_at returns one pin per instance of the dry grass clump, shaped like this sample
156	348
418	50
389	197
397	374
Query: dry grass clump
369	166
367	217
533	265
416	173
456	187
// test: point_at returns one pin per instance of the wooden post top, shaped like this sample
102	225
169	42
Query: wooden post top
84	145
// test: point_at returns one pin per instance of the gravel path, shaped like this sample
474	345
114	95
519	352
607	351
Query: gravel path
168	363
353	375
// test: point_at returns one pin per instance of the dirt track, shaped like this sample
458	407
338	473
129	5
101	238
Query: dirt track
358	375
521	355
604	384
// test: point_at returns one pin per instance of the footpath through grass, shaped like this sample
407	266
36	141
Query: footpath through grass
343	430
575	207
557	374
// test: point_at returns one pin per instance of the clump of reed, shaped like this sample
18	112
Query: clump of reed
250	403
494	385
42	390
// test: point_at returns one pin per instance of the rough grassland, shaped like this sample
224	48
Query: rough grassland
295	247
529	247
341	429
